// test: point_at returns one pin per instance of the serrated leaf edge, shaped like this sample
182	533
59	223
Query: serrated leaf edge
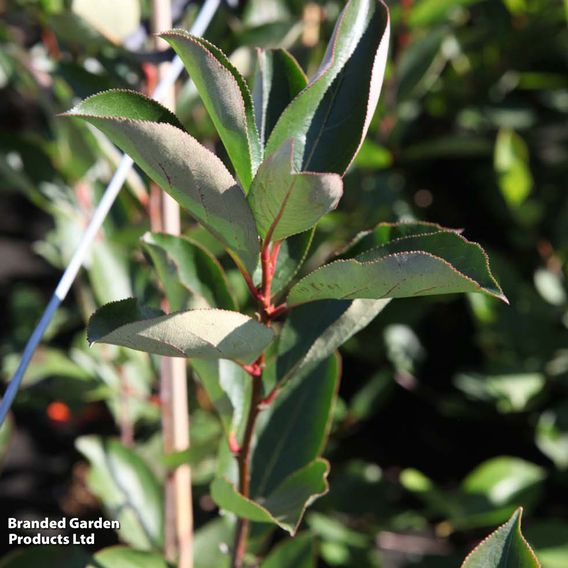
321	72
242	86
472	244
517	516
167	111
294	173
394	255
291	530
182	354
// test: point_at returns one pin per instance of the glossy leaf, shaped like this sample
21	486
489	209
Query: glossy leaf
296	429
286	472
284	202
315	330
340	100
190	173
191	276
128	490
123	557
294	553
285	506
227	98
206	334
438	263
505	548
279	79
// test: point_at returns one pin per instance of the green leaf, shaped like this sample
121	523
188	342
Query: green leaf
315	330
211	542
35	556
5	436
373	156
109	271
207	334
284	202
123	557
552	435
512	167
293	253
510	393
116	22
504	480
128	490
424	265
279	79
296	428
228	387
420	64
429	12
505	548
119	103
340	100
285	506
286	473
294	553
226	97
190	173
191	276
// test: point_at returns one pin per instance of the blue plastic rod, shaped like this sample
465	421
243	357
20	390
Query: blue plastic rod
201	23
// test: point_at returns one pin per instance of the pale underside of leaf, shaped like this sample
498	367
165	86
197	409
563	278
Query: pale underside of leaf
398	275
205	334
190	173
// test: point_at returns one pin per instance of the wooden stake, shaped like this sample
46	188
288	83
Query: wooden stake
173	380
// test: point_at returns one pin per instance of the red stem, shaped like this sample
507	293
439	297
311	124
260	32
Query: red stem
268	312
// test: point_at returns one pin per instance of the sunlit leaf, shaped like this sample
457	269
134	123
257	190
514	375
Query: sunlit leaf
285	202
341	98
227	98
505	548
438	263
279	79
190	173
205	334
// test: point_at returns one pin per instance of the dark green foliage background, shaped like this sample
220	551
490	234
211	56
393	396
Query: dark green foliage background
471	133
